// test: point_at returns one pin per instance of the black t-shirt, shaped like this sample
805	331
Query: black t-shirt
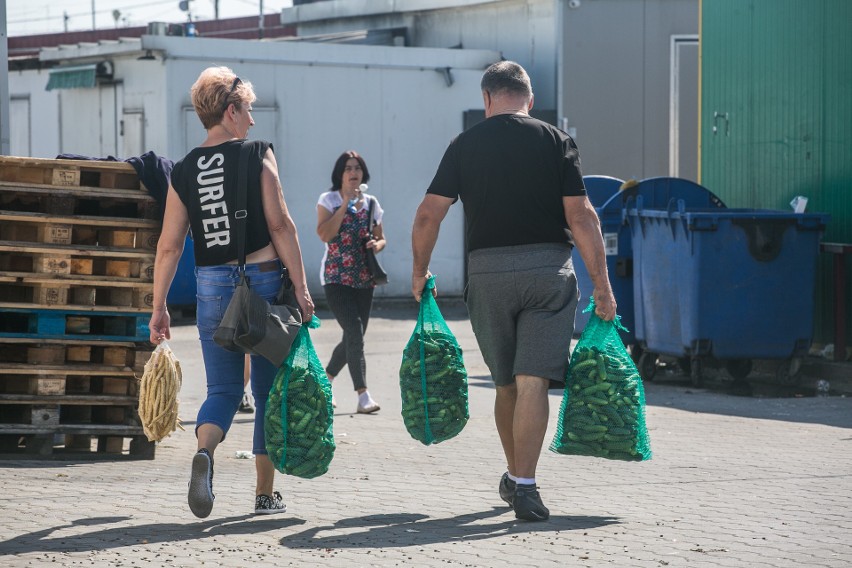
206	181
511	172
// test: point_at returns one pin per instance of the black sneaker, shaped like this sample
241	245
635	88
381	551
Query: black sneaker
201	496
246	407
527	504
507	489
269	505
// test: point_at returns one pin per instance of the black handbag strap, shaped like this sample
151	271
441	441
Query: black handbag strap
370	215
241	213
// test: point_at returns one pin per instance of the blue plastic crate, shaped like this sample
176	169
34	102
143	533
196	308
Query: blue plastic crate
599	190
183	289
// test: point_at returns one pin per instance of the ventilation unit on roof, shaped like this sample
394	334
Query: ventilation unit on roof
157	28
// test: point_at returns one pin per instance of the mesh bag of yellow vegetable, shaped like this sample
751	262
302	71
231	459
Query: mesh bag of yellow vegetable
603	405
432	377
158	390
299	417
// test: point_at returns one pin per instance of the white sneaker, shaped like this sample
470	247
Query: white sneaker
369	409
366	404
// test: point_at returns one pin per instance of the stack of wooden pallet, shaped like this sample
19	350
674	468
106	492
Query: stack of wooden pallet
77	245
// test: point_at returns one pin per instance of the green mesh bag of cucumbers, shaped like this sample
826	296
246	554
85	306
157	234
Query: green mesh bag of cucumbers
603	405
432	377
299	416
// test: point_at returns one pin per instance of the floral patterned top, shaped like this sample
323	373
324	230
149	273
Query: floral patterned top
344	261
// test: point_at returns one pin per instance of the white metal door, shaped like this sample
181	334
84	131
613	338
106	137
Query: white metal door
132	133
89	123
110	97
683	108
19	126
80	122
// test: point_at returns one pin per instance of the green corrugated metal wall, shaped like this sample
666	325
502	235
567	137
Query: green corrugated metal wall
776	82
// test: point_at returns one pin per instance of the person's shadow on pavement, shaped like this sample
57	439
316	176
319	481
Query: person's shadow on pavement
411	529
101	538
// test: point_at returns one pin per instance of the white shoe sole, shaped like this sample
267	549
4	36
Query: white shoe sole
200	497
369	409
270	511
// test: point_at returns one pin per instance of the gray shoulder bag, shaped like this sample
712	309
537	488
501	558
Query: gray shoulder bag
251	324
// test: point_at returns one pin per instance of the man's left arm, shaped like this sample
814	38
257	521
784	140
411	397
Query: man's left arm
586	228
424	235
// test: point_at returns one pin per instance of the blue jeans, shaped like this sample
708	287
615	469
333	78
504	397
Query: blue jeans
215	287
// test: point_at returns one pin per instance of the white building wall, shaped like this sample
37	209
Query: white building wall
314	102
521	30
145	91
604	65
42	115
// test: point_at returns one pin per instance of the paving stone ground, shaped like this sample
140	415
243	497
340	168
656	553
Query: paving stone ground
735	481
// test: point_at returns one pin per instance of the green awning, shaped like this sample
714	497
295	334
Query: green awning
76	77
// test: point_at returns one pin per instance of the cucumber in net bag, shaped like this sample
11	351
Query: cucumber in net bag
432	377
299	417
603	405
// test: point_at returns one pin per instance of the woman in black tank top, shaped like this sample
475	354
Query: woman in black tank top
202	196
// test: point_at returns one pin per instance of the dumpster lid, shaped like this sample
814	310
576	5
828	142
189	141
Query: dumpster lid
662	193
600	188
707	219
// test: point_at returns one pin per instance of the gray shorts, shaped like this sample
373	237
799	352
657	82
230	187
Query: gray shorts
522	301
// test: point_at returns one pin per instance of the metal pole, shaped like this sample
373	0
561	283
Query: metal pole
260	24
93	15
5	140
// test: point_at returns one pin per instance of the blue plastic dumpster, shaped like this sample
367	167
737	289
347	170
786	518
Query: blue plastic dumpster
182	292
734	284
599	189
659	193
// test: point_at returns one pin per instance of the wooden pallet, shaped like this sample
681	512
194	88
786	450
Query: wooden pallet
114	355
107	418
81	259
77	245
141	234
78	441
43	291
83	201
80	173
53	410
80	378
101	323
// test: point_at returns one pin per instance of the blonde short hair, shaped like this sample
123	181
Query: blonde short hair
214	91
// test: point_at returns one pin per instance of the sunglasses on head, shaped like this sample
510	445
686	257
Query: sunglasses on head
236	82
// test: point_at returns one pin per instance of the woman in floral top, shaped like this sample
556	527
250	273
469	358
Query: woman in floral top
343	226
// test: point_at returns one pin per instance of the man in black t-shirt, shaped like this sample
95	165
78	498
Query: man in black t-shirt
525	208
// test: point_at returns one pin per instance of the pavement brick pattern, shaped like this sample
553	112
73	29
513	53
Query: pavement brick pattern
734	481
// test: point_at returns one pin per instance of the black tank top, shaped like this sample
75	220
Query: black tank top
206	182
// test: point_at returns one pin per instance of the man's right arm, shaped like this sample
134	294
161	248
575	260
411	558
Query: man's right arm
586	228
424	235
